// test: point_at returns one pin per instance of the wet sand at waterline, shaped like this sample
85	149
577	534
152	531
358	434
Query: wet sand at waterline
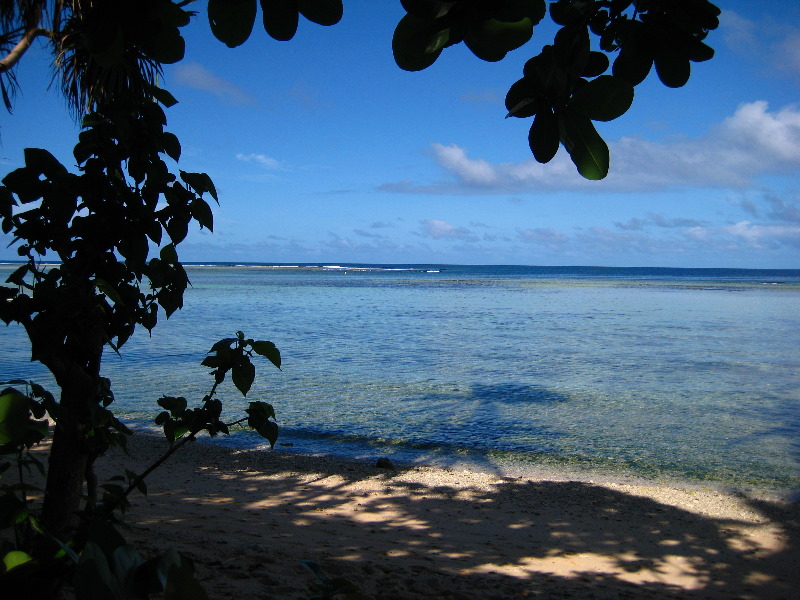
249	518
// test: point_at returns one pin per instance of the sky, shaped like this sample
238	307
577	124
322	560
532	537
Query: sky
324	151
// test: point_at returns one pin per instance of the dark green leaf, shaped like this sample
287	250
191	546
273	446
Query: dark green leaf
259	418
232	20
586	148
13	417
268	430
597	64
673	69
243	376
201	212
110	291
162	95
417	43
428	9
25	183
43	162
171	145
176	406
492	39
181	584
280	18
603	99
200	183
632	64
93	579
168	254
177	228
567	12
544	137
167	47
322	12
516	10
268	350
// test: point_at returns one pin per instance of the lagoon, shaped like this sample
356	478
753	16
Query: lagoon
688	374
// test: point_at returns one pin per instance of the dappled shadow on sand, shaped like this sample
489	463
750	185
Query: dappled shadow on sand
405	534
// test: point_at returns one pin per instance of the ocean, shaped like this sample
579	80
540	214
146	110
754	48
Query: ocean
688	375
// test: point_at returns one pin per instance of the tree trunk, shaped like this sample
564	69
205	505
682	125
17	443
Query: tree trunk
65	473
77	372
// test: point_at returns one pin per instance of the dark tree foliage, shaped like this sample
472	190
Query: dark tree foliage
114	223
566	86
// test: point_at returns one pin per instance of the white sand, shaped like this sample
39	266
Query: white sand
248	519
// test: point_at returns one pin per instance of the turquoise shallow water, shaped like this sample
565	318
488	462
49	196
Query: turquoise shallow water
688	374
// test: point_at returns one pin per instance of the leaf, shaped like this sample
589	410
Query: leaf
93	579
322	12
632	63
544	137
176	406
586	148
182	585
25	183
167	46
43	162
514	10
492	39
268	350
162	95
13	417
109	290
672	69
16	558
200	183
243	376
201	212
171	145
232	20
280	18
268	430
177	228
604	98
417	43
596	64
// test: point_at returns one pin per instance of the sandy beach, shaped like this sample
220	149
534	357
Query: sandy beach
249	518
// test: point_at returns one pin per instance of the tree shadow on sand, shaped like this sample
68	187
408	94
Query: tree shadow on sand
399	538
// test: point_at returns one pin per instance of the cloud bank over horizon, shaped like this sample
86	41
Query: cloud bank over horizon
751	143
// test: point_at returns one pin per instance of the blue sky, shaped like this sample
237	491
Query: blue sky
324	151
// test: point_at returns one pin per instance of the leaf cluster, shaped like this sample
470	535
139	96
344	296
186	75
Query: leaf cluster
229	355
566	87
102	225
232	21
489	28
107	50
97	560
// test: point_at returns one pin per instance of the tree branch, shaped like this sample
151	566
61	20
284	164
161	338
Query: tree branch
22	46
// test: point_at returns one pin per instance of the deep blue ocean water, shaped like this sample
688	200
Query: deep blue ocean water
689	374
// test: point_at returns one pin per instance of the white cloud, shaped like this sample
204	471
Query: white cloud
754	141
471	171
196	76
738	32
762	236
442	230
544	236
775	44
261	159
789	50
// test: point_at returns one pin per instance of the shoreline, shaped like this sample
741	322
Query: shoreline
501	464
249	517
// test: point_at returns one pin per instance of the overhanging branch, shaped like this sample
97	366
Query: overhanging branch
22	46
